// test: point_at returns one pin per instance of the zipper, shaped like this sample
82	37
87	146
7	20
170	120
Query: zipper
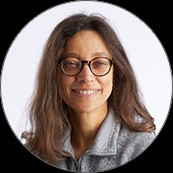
78	162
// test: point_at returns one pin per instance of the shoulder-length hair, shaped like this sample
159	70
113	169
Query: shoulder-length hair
47	110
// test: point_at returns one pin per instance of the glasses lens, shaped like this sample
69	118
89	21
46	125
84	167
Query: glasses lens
70	66
100	66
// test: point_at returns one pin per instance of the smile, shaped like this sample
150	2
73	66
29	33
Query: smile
86	92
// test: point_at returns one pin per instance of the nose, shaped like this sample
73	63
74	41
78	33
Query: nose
85	75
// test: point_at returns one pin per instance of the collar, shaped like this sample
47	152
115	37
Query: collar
104	142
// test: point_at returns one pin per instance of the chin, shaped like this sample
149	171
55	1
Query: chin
87	109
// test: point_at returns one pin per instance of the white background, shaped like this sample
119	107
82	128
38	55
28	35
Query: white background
145	51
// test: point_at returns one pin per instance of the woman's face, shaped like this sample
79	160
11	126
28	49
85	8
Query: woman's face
86	92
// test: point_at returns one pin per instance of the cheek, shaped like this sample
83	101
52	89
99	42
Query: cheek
65	83
109	86
62	80
109	80
107	83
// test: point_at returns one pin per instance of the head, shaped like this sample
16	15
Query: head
87	37
83	37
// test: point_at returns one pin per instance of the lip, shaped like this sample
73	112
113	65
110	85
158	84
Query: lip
86	92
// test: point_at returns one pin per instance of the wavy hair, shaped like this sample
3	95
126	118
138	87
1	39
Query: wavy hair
47	110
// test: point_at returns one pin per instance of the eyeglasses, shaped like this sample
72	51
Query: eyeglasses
99	66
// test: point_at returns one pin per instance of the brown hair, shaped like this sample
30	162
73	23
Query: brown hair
47	110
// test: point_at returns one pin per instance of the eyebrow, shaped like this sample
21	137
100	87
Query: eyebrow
101	54
78	56
71	54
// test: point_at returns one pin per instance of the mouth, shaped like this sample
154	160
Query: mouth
83	92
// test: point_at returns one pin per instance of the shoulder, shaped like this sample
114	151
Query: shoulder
137	140
124	136
129	138
132	144
128	144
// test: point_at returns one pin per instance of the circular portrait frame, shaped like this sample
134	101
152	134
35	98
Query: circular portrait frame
144	49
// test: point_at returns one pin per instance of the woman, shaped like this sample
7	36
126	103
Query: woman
86	113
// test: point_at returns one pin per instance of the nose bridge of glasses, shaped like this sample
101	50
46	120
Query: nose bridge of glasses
87	63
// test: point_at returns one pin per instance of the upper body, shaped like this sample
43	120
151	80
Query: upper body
86	99
113	146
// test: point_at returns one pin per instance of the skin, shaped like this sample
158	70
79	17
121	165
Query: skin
87	112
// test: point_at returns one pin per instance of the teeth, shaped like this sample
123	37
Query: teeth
86	92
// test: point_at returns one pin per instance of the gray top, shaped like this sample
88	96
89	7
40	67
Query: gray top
113	146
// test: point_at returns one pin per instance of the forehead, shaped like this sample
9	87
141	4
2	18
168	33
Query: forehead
86	43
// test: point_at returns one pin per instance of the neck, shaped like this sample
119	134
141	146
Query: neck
84	128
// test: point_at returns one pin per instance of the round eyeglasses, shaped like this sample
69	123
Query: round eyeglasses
99	66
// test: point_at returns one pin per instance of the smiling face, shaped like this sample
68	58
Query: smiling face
86	92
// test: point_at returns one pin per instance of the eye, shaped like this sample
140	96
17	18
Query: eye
100	63
70	63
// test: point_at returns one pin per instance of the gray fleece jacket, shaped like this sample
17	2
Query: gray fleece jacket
113	147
